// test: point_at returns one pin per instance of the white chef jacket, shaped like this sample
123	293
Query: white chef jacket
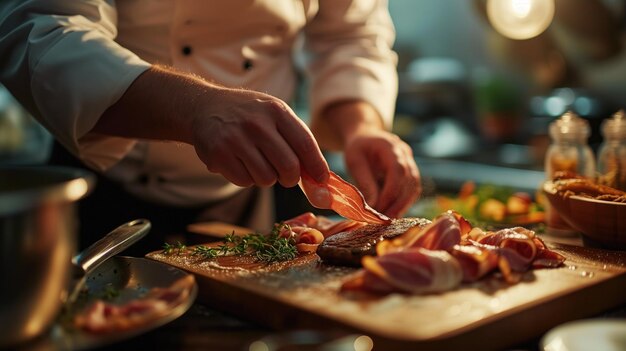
67	61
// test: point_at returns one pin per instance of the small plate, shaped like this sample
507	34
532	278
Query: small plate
131	278
591	334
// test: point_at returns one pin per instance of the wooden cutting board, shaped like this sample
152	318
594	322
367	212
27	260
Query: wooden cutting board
489	314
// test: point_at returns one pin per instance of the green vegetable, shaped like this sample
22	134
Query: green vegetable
488	191
468	203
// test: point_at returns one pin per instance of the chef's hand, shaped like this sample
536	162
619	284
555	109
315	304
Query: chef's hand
249	137
381	164
383	167
254	138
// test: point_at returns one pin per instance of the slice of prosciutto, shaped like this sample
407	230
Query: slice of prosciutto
325	225
476	262
307	219
303	231
513	244
308	230
546	258
442	234
413	271
341	197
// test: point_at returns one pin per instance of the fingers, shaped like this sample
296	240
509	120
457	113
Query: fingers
261	171
402	185
384	169
267	157
235	172
286	151
283	160
304	145
409	193
258	140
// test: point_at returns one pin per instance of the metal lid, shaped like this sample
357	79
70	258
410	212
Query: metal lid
570	127
614	128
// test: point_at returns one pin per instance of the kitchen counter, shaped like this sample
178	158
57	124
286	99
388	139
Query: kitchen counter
205	328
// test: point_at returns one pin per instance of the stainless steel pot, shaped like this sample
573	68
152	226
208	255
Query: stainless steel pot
37	241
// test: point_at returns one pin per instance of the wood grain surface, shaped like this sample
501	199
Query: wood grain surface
217	229
489	314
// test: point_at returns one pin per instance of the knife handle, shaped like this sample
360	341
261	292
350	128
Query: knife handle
111	244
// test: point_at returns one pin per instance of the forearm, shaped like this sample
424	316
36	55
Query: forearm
351	60
49	47
342	120
159	104
247	136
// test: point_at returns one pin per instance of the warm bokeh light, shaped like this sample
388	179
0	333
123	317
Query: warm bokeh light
521	8
520	19
363	343
555	345
258	346
76	189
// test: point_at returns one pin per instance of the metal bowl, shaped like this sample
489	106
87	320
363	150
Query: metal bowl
37	241
602	223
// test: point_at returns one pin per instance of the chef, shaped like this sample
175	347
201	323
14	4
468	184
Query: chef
181	106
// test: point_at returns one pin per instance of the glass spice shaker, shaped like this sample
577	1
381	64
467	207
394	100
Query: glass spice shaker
612	152
569	151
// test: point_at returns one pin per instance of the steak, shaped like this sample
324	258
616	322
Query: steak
347	248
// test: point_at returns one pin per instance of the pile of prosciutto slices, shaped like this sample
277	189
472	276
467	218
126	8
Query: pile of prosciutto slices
430	259
434	258
447	252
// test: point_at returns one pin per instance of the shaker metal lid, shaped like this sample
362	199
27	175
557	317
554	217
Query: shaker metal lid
615	127
570	126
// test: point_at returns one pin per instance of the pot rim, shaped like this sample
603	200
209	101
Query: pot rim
26	187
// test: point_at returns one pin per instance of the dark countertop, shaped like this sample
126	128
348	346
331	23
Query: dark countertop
203	328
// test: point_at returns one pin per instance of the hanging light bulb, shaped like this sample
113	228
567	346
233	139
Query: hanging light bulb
520	19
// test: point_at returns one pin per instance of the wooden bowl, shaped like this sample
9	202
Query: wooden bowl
602	223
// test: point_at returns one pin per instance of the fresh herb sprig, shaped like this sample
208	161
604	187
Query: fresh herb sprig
265	247
177	248
205	252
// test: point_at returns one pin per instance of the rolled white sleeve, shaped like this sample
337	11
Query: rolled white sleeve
61	62
350	43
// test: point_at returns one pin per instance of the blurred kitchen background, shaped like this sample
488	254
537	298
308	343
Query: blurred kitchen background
480	80
468	85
